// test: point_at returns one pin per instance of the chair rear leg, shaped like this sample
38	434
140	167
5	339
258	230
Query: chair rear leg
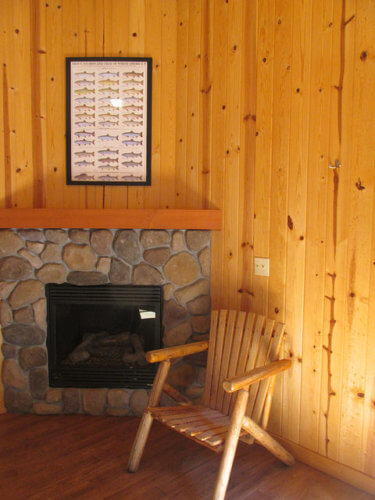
230	445
140	442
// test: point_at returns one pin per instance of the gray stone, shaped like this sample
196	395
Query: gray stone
205	261
200	305
53	395
172	313
34	260
147	275
157	256
138	401
103	265
24	315
14	268
197	239
40	313
177	335
41	408
126	246
35	246
6	288
154	238
79	235
51	253
12	375
19	334
38	382
26	292
86	278
168	290
79	257
31	234
118	412
71	400
6	316
178	241
190	292
181	269
94	401
101	241
16	401
118	398
181	375
9	351
119	273
32	357
58	236
52	273
200	324
10	242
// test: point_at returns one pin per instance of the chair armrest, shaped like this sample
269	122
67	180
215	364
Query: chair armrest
235	383
176	351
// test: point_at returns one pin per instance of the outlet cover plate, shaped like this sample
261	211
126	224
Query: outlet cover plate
261	266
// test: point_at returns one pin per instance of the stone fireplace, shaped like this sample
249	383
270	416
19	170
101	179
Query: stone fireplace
177	262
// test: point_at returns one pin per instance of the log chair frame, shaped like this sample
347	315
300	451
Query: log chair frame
238	384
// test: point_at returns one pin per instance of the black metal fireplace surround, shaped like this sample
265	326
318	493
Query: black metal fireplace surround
95	333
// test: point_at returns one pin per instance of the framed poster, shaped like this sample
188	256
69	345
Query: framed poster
108	120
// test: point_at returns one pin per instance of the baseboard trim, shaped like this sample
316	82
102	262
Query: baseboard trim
339	471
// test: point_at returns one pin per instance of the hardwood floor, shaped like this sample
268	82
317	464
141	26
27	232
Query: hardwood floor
81	457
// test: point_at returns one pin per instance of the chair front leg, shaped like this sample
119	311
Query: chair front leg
231	444
146	422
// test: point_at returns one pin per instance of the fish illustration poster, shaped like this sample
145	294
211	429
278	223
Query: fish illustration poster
109	121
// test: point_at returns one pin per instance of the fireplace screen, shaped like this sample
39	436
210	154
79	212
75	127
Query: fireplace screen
97	335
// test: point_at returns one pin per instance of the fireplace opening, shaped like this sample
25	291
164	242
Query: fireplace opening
97	336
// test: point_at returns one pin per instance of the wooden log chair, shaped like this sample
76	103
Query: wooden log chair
242	364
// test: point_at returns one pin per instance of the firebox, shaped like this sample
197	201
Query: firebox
97	336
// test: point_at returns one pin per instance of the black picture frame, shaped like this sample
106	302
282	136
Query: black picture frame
98	90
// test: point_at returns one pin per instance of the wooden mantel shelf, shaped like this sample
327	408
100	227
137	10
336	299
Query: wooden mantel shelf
140	218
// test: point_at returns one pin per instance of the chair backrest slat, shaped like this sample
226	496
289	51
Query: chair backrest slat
239	342
215	381
274	354
210	357
235	355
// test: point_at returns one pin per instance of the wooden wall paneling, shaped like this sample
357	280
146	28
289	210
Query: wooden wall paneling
19	94
193	173
55	116
368	452
231	174
74	196
279	187
38	99
137	30
247	119
296	201
263	148
168	100
153	48
351	446
182	72
4	134
205	111
219	92
336	255
317	171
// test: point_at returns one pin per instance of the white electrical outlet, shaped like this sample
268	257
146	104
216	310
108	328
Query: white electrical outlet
261	266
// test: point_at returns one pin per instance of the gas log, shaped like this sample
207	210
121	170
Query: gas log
101	345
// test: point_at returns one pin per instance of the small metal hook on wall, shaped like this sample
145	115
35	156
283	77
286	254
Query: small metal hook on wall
336	165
